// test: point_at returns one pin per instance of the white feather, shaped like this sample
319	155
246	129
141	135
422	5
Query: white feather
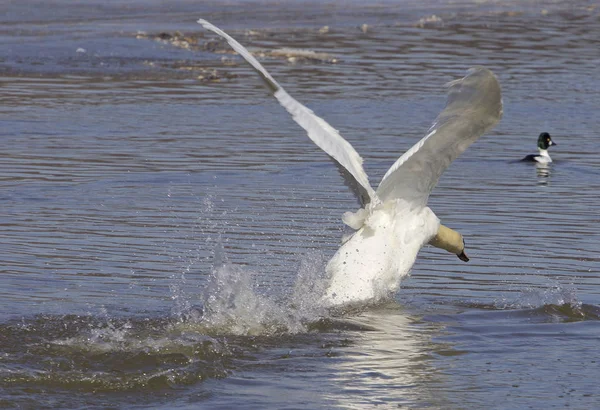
319	131
474	106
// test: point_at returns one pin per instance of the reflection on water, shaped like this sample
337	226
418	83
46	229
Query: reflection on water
391	364
543	173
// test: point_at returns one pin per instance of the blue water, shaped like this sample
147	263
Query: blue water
165	226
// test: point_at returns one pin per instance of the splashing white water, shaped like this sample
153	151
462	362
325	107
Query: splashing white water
233	305
232	302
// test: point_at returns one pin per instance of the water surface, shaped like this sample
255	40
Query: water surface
165	224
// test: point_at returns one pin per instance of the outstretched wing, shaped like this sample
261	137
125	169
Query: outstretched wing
473	107
319	131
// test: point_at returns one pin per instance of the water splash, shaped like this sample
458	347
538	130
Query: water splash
233	304
531	298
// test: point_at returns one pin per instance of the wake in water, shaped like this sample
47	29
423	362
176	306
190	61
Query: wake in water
106	354
554	303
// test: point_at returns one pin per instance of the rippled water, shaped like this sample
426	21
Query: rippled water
165	224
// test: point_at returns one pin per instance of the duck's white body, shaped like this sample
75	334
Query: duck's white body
394	221
371	263
544	157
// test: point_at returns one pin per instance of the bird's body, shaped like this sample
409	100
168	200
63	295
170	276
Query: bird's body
542	158
371	263
544	142
394	222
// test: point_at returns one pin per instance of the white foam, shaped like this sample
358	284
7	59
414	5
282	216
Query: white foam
232	303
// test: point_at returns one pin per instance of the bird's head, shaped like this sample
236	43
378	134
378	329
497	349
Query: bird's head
545	141
451	241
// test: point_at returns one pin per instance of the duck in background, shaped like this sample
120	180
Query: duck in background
544	142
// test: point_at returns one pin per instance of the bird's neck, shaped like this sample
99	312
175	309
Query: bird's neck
449	240
544	154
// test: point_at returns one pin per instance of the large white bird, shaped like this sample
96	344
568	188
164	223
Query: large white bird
394	222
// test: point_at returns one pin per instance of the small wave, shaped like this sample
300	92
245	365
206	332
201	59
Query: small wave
556	303
569	312
554	294
108	381
329	324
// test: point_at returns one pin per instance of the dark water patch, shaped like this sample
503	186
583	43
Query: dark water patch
99	358
330	324
569	312
86	361
544	303
547	313
91	354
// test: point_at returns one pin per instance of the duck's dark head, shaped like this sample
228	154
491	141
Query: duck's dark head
545	141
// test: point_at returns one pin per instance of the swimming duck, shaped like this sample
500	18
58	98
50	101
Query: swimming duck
544	142
393	222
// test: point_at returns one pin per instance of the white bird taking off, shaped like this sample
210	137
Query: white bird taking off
394	222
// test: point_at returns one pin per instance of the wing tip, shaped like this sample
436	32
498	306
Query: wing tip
479	87
482	73
205	24
351	161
